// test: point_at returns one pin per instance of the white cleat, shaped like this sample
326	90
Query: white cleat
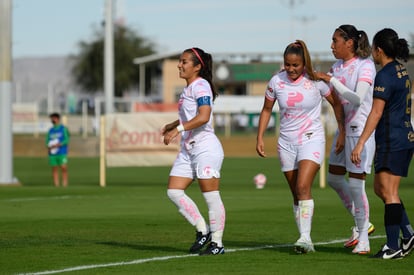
362	248
303	246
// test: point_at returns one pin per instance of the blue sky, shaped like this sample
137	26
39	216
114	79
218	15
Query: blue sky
54	27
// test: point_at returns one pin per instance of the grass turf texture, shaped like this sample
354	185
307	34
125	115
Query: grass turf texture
46	228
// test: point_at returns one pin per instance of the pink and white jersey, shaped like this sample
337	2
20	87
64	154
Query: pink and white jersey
300	107
188	109
350	73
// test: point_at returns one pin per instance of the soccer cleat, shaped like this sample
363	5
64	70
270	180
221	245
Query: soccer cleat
371	229
407	245
303	246
353	240
200	241
387	253
212	249
361	248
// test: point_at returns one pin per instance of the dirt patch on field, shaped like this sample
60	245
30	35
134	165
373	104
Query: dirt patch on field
245	146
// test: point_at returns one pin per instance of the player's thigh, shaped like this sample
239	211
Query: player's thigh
367	155
206	163
62	161
313	151
386	186
287	156
397	162
181	174
53	160
310	157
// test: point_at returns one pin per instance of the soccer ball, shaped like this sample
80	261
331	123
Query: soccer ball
260	180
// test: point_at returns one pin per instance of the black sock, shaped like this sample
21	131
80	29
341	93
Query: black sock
392	221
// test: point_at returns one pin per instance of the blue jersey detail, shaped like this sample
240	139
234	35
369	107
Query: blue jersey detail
58	133
204	100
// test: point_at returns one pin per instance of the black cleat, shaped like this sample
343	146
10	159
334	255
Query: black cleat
212	249
407	245
387	253
200	241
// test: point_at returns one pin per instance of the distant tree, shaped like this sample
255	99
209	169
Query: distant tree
88	68
411	42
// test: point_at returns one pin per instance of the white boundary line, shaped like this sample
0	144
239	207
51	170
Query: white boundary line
164	258
65	197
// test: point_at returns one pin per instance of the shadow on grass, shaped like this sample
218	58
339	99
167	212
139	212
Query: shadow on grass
234	245
144	247
333	250
283	247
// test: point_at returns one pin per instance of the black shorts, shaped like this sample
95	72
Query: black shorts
395	162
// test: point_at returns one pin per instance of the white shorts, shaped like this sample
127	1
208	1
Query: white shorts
201	162
290	154
344	158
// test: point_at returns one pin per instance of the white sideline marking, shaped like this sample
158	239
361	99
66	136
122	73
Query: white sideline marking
65	197
154	259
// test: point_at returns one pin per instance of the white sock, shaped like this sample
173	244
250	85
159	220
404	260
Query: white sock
341	186
357	187
296	215
306	208
217	215
188	209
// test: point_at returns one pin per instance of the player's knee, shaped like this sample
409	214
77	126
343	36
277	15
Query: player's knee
335	181
174	194
381	192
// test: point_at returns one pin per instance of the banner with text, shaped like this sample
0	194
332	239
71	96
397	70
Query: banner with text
134	139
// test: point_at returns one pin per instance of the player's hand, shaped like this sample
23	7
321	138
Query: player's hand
356	154
166	128
340	143
260	148
323	76
170	135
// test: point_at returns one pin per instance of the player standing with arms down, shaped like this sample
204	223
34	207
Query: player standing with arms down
301	143
352	77
390	118
201	154
57	141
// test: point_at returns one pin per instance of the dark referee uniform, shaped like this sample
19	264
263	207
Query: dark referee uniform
394	135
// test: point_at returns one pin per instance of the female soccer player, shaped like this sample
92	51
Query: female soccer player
390	117
201	153
301	143
352	77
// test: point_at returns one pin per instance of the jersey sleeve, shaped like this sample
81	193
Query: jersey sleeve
203	93
324	88
367	72
65	140
270	92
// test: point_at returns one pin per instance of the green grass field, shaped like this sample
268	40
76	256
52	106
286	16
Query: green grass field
130	227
